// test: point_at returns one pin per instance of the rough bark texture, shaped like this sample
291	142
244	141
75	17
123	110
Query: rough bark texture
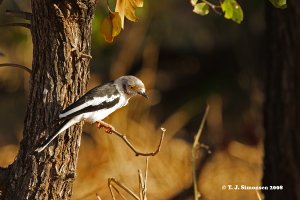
282	108
61	35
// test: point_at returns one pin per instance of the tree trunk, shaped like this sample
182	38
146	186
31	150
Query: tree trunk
282	107
61	35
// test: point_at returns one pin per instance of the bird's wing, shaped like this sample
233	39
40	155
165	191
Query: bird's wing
98	98
91	108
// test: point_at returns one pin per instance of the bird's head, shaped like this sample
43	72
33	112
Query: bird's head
132	86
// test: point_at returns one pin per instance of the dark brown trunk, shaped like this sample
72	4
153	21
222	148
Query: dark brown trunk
61	35
282	107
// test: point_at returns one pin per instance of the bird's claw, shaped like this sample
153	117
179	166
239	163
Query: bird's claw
108	128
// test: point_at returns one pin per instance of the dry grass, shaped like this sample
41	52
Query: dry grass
110	157
103	156
237	165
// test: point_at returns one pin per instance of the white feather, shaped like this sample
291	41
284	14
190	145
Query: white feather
94	102
98	115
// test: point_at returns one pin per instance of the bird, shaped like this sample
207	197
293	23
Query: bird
97	104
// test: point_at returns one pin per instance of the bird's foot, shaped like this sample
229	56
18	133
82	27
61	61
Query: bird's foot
108	128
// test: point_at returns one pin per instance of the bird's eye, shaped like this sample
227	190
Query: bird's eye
131	86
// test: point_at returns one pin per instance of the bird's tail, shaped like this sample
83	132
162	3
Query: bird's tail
62	127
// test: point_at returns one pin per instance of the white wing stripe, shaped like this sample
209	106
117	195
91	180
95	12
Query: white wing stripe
94	102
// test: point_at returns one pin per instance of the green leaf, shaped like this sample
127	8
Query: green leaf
279	3
201	8
232	10
227	8
193	2
238	14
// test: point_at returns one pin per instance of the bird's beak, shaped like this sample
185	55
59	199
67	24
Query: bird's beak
143	94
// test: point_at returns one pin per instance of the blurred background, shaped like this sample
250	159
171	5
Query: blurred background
186	62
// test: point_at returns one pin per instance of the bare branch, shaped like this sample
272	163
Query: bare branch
213	7
16	65
111	190
137	153
20	14
258	195
196	144
142	185
25	25
116	189
198	135
206	147
111	186
98	196
143	182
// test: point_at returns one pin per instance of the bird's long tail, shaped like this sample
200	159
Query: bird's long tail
62	127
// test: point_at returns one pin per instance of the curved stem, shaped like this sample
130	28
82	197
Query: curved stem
16	65
137	153
196	144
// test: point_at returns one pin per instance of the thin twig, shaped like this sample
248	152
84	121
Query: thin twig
17	66
196	144
143	181
20	14
111	191
120	194
108	7
213	7
141	184
25	25
206	147
137	153
98	196
258	195
144	191
113	180
198	135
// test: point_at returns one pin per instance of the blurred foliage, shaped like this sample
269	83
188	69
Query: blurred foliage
279	3
230	8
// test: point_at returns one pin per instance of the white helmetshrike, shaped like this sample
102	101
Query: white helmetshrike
98	103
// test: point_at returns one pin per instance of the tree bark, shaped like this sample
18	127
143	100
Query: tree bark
282	107
61	35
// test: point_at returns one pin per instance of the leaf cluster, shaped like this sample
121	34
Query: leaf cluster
114	21
230	9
